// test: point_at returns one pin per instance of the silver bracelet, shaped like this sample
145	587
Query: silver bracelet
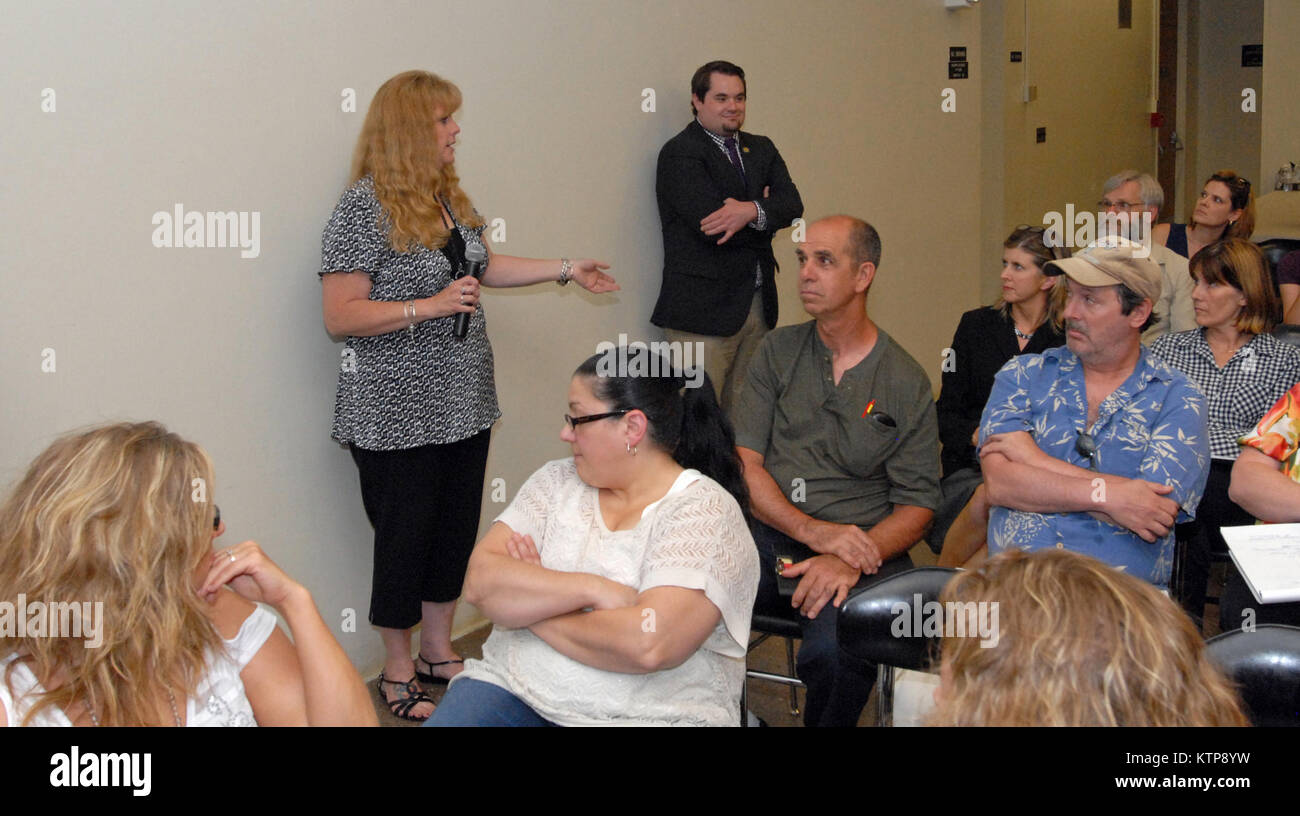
408	309
566	271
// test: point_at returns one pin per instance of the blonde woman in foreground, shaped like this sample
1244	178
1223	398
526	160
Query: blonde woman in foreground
1080	643
107	518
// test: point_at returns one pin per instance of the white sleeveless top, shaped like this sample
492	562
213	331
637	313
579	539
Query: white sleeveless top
220	699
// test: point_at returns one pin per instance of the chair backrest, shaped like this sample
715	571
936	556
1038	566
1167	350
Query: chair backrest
1275	249
872	624
1287	333
1265	665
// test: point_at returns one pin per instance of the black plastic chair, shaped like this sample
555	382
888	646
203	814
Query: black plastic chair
768	625
1265	665
866	628
1275	250
1287	333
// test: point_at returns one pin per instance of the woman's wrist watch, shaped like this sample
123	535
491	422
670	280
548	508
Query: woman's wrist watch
566	271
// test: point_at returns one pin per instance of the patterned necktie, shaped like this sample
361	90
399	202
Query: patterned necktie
734	155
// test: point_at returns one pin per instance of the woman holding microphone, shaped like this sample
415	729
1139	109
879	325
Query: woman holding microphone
415	402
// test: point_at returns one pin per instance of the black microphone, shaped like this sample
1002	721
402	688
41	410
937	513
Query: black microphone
476	260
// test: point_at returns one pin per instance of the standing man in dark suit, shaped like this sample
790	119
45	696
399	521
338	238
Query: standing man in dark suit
722	197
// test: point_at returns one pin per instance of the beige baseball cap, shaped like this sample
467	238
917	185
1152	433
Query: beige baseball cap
1110	261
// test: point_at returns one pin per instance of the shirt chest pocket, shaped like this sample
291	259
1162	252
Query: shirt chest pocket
863	445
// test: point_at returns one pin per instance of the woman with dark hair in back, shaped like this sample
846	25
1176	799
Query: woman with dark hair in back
416	397
1243	370
1225	209
1026	319
620	580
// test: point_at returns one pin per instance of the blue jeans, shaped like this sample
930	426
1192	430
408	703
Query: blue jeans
471	703
838	684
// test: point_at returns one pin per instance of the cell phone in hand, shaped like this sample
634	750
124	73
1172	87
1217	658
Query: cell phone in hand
785	586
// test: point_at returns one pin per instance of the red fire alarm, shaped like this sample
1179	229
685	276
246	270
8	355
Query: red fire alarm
1157	120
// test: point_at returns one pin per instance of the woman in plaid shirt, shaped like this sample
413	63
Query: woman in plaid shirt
1242	370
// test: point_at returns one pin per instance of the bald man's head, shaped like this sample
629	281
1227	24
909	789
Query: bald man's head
862	242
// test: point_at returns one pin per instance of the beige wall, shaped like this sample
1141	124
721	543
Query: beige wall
1280	118
1225	136
1093	83
236	106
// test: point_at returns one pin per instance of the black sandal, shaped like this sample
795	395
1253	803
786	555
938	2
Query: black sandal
429	676
412	695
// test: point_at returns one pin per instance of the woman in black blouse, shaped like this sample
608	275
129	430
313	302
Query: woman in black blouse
415	403
1025	320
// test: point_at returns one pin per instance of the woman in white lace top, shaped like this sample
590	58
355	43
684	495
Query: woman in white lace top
113	528
620	581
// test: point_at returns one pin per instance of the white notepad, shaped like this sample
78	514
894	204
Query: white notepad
1268	556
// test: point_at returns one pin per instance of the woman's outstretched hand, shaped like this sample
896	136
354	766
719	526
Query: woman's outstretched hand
587	272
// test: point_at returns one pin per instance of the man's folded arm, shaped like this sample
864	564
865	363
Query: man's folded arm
1034	489
782	203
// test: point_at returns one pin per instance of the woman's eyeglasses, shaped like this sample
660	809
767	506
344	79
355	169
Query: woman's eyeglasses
1086	447
574	422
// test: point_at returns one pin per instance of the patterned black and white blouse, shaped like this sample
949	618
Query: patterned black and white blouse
1241	392
402	390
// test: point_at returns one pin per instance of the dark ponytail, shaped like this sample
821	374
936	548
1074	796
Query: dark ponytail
683	412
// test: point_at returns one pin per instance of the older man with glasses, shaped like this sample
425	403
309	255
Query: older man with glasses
1097	446
1135	195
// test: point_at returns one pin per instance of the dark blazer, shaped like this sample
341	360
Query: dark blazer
707	289
984	342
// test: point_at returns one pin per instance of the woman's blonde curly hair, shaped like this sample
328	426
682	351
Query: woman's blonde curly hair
1080	643
116	515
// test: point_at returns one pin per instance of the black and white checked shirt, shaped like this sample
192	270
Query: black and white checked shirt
1241	392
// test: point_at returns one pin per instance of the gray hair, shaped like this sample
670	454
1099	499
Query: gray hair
1153	195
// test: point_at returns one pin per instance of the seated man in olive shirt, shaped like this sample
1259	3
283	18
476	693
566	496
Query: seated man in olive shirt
836	428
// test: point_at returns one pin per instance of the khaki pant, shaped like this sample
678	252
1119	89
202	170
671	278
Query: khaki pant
726	359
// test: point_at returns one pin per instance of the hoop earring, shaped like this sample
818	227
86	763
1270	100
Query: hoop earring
630	448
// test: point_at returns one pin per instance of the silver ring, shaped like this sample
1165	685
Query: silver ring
231	553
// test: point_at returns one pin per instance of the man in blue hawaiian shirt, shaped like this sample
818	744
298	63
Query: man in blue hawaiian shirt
1097	446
